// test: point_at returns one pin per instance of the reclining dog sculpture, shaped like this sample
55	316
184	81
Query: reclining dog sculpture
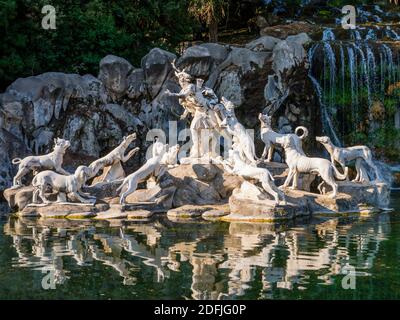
235	165
112	160
269	137
52	160
300	163
153	166
241	138
70	185
344	155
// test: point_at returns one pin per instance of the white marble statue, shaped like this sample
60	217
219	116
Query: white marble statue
202	104
111	163
155	166
300	163
242	141
344	155
53	160
235	165
269	137
69	185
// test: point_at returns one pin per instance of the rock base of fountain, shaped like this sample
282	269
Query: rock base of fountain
195	190
62	210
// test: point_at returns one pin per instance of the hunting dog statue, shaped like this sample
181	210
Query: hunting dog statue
53	160
344	155
111	163
300	163
235	165
269	137
69	185
155	166
242	141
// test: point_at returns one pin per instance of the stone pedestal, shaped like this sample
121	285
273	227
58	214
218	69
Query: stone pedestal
62	210
249	203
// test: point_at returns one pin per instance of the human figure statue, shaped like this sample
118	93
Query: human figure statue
200	102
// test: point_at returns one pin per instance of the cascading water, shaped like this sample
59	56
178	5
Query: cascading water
356	77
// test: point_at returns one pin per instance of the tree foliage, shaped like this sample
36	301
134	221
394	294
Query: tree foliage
87	30
209	12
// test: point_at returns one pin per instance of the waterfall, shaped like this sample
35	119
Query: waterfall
352	75
326	119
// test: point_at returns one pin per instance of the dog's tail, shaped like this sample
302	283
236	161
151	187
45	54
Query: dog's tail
16	161
340	176
305	132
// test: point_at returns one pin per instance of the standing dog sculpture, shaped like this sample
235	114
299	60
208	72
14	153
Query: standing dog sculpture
299	163
269	137
69	185
52	160
153	166
242	140
344	155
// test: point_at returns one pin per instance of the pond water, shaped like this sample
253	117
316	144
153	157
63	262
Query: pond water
161	259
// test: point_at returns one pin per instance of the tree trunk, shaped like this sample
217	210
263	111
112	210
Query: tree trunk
213	31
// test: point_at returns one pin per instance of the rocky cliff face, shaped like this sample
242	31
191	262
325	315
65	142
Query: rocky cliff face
94	113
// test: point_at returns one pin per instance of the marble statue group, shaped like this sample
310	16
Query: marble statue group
212	119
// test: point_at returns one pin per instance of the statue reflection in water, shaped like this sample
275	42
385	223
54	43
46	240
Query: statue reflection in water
223	260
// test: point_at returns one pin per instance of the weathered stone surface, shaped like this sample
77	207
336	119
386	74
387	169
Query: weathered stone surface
283	31
156	66
10	147
117	211
265	43
136	84
188	211
376	195
163	197
62	210
114	73
123	115
140	214
18	198
197	61
104	189
216	213
249	203
217	51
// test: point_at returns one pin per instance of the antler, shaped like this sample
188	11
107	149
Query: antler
174	66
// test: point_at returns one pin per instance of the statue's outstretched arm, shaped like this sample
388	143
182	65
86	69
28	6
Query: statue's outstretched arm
184	114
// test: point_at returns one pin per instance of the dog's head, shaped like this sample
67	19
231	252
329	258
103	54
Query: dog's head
170	157
82	173
285	141
265	119
61	144
129	138
158	148
229	106
323	140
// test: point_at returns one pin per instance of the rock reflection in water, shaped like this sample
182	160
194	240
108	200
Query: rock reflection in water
223	260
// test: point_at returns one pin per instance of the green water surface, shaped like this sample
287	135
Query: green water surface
161	259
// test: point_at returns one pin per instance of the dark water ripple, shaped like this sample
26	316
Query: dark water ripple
160	259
